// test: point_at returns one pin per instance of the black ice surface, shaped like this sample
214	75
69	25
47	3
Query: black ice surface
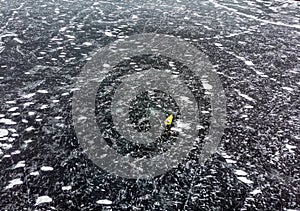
254	47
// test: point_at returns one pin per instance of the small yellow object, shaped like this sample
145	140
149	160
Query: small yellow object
169	120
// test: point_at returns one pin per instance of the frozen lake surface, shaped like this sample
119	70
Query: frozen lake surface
254	46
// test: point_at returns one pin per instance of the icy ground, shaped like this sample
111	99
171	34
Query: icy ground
254	46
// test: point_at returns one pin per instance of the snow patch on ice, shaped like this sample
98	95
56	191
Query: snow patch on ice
28	95
43	199
5	146
66	187
248	106
256	191
7	121
230	161
185	99
245	180
249	63
44	106
106	65
29	129
180	126
134	17
20	164
12	109
42	91
290	146
18	40
109	34
15	152
244	95
104	201
35	173
14	182
11	102
206	85
288	88
240	172
46	168
3	132
87	44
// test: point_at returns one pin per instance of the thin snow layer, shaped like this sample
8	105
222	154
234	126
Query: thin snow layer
43	199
